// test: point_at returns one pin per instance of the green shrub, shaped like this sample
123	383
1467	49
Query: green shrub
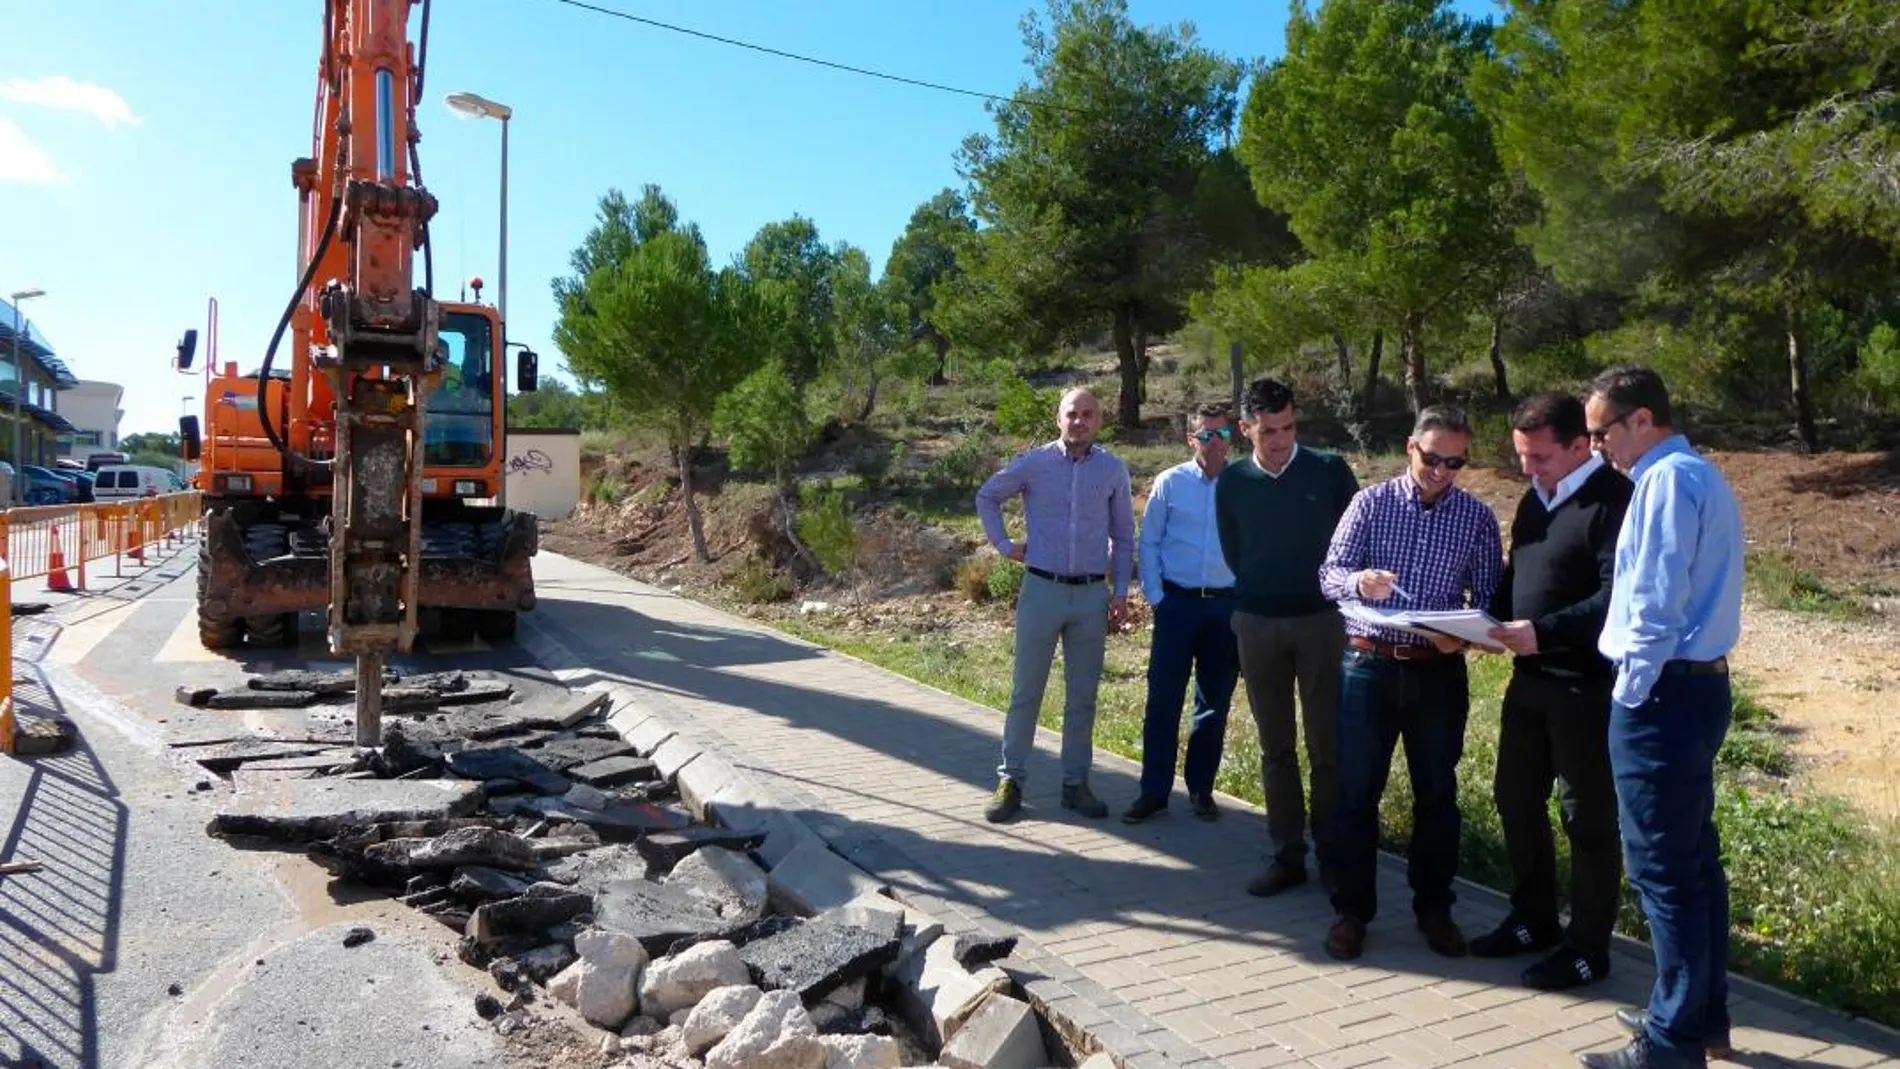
764	420
824	524
756	582
1006	580
602	490
966	465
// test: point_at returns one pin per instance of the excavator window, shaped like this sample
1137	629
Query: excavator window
459	420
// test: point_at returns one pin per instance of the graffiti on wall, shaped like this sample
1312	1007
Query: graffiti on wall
529	462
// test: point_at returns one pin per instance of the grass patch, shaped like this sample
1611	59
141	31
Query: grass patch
1815	889
1782	584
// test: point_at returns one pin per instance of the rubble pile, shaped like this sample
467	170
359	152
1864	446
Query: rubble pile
570	862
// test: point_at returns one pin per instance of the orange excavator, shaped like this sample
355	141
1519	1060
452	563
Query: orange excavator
366	477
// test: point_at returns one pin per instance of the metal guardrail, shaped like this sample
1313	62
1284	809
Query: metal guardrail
59	542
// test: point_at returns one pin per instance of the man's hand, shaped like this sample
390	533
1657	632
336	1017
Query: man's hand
1448	643
1117	612
1518	636
1021	551
1375	585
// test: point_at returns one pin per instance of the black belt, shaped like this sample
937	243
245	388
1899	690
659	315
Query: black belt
1198	591
1071	580
1717	667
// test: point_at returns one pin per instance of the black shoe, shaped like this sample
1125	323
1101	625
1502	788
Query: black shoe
1279	876
1638	1054
1565	969
1513	937
1007	802
1636	1023
1203	805
1145	806
1442	934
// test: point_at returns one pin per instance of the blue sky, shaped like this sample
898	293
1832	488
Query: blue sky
145	148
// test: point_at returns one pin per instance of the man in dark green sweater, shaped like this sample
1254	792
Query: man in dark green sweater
1555	727
1276	510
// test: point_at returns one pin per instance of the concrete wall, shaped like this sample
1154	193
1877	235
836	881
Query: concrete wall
93	406
543	469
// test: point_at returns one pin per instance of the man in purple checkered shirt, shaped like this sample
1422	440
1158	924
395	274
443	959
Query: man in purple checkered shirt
1414	542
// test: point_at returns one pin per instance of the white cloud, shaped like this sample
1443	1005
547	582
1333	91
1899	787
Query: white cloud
63	94
22	161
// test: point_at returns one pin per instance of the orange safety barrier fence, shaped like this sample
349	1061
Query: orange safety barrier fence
57	543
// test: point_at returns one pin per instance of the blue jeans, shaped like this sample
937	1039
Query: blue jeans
1191	635
1663	755
1425	703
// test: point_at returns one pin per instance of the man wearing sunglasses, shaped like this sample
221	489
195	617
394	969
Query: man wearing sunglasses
1675	612
1277	508
1556	719
1413	542
1185	578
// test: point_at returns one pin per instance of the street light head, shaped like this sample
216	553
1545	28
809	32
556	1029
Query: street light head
478	107
27	295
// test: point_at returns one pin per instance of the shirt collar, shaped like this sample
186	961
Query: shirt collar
1675	443
1569	484
1414	492
1062	450
1290	458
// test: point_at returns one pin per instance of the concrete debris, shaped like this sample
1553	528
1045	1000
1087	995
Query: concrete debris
544	906
728	879
508	763
665	850
813	958
716	1015
590	871
489	847
656	914
1001	1034
776	1033
302	810
677	982
812	879
862	1052
601	983
975	951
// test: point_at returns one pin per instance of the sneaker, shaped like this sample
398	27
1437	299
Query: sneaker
1007	802
1636	1023
1513	937
1565	969
1203	805
1145	806
1079	798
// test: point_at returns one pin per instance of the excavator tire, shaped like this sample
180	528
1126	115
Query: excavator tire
495	625
264	541
214	633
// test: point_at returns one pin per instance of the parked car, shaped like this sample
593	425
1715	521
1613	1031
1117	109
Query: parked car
120	482
48	487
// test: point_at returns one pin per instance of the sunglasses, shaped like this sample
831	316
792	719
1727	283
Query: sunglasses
1433	460
1224	433
1598	434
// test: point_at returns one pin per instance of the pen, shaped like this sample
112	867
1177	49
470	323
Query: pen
1400	591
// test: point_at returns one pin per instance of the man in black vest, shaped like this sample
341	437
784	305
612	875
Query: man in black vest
1556	594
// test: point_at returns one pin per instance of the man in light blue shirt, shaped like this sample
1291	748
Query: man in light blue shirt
1186	578
1675	612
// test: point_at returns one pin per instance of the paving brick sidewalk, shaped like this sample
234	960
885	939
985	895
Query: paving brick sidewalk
1145	934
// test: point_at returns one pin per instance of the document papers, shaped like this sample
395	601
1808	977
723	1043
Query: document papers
1472	625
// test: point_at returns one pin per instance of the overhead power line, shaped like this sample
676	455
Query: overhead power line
814	60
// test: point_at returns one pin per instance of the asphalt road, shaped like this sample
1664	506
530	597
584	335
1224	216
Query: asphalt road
146	943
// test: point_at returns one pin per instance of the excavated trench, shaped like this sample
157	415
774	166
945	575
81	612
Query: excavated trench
567	862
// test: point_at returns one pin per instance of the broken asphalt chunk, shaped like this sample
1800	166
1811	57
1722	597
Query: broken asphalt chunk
544	906
615	771
301	810
815	957
329	684
565	752
506	762
260	699
655	914
666	849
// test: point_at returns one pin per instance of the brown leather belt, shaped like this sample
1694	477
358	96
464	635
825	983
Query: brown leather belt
1397	653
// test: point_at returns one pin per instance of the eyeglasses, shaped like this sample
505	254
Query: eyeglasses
1433	460
1224	433
1598	434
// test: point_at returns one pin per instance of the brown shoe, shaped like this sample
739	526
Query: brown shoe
1442	934
1347	939
1279	876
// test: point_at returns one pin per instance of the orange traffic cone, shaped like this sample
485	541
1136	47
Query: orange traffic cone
56	578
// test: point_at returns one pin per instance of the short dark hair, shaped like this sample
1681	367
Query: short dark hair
1210	410
1441	418
1265	395
1560	412
1629	387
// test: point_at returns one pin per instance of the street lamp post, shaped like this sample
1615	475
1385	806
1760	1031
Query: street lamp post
19	385
481	108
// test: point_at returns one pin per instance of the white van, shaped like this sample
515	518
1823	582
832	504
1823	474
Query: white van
117	482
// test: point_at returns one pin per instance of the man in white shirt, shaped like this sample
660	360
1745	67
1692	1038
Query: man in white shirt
1186	579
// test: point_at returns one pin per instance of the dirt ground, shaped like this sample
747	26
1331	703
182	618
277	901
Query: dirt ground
1834	684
